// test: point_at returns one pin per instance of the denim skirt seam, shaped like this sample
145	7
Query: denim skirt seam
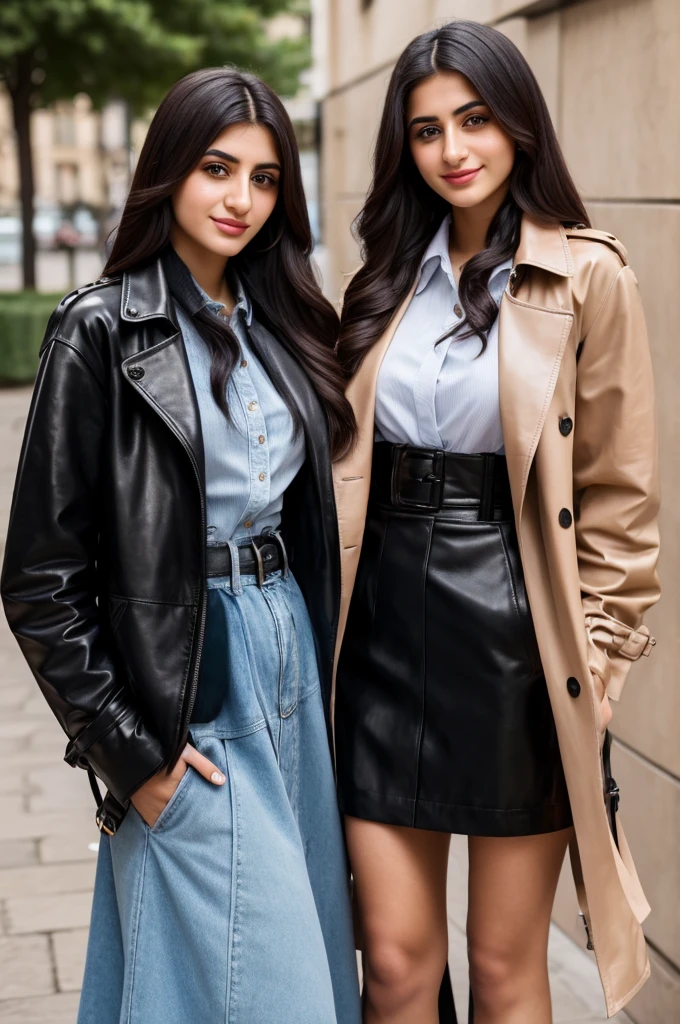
135	930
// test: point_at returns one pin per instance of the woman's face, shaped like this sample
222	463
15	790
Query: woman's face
222	204
457	144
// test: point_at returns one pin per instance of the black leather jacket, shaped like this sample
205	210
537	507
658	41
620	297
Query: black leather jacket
103	582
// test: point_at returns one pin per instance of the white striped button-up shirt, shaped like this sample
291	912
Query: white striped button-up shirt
441	396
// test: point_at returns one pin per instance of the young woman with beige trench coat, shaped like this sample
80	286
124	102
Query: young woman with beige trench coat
499	541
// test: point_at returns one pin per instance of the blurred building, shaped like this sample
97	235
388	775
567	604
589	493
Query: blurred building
610	71
81	164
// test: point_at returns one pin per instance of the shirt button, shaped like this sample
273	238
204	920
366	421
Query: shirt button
244	363
248	523
262	476
252	406
261	438
457	310
565	518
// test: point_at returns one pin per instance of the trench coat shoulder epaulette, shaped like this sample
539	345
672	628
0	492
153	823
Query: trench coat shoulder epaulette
585	234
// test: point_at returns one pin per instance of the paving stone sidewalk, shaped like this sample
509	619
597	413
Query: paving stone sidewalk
48	845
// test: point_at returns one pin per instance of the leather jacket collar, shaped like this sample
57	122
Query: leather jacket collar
145	294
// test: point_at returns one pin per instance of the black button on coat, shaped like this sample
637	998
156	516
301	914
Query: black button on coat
566	518
573	686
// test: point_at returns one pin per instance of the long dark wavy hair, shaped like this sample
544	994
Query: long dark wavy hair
402	213
274	267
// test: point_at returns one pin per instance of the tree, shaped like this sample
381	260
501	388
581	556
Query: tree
131	50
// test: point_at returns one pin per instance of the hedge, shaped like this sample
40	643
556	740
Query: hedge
23	318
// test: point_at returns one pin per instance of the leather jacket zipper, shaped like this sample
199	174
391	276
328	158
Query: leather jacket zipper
198	648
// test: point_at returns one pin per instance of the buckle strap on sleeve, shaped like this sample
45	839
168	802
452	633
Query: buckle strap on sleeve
618	638
102	724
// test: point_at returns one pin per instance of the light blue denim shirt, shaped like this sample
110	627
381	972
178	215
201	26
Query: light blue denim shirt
252	457
441	396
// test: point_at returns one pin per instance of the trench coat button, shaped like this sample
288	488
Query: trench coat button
566	518
573	686
135	372
566	426
132	311
457	310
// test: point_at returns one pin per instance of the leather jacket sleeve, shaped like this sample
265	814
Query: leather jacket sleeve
49	578
616	483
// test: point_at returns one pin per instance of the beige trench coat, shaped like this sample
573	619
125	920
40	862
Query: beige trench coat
572	342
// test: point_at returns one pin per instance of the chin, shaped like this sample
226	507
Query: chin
225	247
466	202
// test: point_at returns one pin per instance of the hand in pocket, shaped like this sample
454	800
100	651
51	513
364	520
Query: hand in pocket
151	798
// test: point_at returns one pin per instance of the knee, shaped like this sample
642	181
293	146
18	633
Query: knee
497	977
400	972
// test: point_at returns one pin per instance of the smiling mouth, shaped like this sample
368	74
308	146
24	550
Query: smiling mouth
229	226
461	177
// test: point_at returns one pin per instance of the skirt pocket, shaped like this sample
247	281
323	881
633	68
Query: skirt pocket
164	819
519	595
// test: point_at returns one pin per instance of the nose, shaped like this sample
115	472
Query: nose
455	146
237	197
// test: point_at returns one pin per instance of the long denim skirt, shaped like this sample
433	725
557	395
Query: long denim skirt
234	907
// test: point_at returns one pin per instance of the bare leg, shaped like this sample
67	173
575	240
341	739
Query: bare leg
400	888
511	893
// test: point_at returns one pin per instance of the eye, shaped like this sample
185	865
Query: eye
266	180
475	121
430	131
216	170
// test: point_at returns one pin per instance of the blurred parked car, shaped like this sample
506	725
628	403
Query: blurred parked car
47	224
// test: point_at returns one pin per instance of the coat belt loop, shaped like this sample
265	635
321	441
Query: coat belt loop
486	497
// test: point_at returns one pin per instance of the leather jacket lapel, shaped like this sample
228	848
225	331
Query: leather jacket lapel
160	373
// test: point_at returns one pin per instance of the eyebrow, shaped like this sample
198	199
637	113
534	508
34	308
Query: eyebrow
235	160
459	110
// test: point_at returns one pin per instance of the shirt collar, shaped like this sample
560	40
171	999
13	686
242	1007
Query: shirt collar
242	303
188	293
437	255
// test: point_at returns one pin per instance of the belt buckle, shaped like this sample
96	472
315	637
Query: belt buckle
259	563
436	482
104	824
278	540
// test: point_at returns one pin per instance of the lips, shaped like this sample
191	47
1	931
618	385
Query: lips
462	177
229	226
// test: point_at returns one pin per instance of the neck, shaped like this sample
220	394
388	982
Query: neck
471	225
207	268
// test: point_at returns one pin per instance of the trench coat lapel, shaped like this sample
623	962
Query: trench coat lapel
532	337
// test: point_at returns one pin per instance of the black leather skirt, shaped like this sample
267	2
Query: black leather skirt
442	716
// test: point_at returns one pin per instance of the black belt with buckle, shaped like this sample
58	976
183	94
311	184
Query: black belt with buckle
260	556
428	480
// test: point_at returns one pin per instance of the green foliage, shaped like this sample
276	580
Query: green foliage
136	49
23	318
